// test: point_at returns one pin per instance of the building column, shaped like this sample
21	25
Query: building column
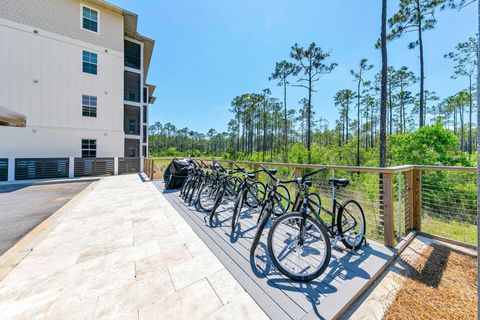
115	166
11	169
71	167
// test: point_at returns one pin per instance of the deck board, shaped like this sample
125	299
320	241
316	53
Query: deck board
281	298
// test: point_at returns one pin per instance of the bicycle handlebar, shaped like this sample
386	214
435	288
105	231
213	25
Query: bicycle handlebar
297	180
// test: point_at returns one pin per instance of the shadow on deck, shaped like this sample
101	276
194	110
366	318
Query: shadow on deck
327	297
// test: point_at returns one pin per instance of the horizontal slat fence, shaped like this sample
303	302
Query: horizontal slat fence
128	165
438	200
41	168
85	167
3	169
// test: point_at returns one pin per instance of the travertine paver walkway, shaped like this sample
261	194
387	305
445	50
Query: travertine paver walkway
123	253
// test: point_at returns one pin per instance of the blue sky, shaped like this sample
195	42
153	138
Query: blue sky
209	51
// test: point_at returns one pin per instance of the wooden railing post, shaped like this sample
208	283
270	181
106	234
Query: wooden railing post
256	167
152	169
409	186
387	210
417	199
298	172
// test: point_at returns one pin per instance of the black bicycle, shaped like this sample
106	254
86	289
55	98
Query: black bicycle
347	219
250	192
277	202
298	242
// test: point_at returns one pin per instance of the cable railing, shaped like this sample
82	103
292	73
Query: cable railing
437	200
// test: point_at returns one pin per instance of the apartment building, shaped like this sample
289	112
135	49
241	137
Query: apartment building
75	72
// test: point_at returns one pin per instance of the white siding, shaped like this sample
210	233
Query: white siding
53	105
63	17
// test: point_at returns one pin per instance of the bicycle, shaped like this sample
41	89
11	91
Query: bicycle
228	187
298	242
347	219
276	203
249	192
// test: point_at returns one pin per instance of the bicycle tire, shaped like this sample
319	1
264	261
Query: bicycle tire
218	200
237	209
274	231
259	197
263	219
282	201
206	188
355	245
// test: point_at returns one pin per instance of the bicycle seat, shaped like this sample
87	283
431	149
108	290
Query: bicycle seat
338	182
229	171
272	171
251	175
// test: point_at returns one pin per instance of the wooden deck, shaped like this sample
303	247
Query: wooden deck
327	297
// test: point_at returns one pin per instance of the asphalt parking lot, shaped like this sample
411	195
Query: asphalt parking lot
23	207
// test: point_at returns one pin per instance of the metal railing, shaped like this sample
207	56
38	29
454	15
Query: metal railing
131	95
41	168
131	128
3	169
132	61
437	200
85	167
128	165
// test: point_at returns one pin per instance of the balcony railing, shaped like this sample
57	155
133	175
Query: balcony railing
132	61
132	128
131	95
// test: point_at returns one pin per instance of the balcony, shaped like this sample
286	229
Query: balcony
131	120
132	148
131	95
132	55
132	86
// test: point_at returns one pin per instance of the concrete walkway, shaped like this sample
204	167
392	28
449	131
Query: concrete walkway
122	252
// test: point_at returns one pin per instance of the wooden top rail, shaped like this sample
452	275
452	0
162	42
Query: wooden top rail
390	170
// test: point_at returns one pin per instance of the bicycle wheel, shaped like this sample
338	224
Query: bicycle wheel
255	194
218	200
282	200
351	224
314	204
193	188
206	197
301	258
187	189
263	219
237	209
182	189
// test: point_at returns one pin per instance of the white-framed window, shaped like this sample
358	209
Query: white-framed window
90	19
89	148
89	106
89	62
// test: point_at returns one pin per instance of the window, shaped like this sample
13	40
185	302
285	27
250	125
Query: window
89	106
145	95
145	114
144	151
132	83
89	19
132	125
89	148
132	55
89	60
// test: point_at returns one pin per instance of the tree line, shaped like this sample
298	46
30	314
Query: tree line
381	102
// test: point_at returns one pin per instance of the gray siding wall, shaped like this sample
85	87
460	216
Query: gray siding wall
63	17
